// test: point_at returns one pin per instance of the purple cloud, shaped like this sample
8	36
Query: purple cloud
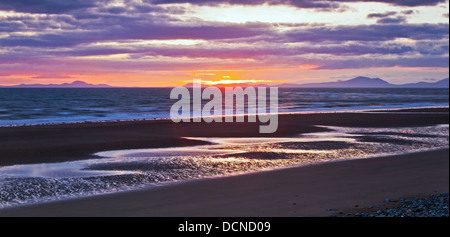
432	48
411	3
241	52
301	3
408	12
381	15
126	28
47	6
47	76
375	62
369	33
73	28
392	20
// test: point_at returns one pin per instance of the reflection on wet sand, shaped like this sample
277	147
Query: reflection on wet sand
130	169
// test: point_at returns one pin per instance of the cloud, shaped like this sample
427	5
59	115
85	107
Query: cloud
381	15
51	76
58	6
410	3
130	28
8	26
47	6
432	48
396	62
408	12
242	52
301	3
13	81
56	43
387	17
369	33
392	20
80	6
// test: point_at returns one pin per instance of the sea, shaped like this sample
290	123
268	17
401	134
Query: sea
31	106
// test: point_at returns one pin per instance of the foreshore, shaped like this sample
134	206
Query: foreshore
66	142
315	190
308	191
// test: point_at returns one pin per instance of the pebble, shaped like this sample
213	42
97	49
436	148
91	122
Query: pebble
434	206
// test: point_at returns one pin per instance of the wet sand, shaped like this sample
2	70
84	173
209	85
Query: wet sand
301	191
65	142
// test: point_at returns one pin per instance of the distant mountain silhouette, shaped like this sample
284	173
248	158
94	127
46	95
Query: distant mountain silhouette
75	84
439	84
355	82
358	82
366	82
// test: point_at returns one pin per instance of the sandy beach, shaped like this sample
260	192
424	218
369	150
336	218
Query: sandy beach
63	142
304	191
312	190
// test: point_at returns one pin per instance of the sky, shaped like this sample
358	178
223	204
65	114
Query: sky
154	43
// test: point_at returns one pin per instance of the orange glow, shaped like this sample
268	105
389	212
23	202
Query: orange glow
227	79
155	79
211	83
210	77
